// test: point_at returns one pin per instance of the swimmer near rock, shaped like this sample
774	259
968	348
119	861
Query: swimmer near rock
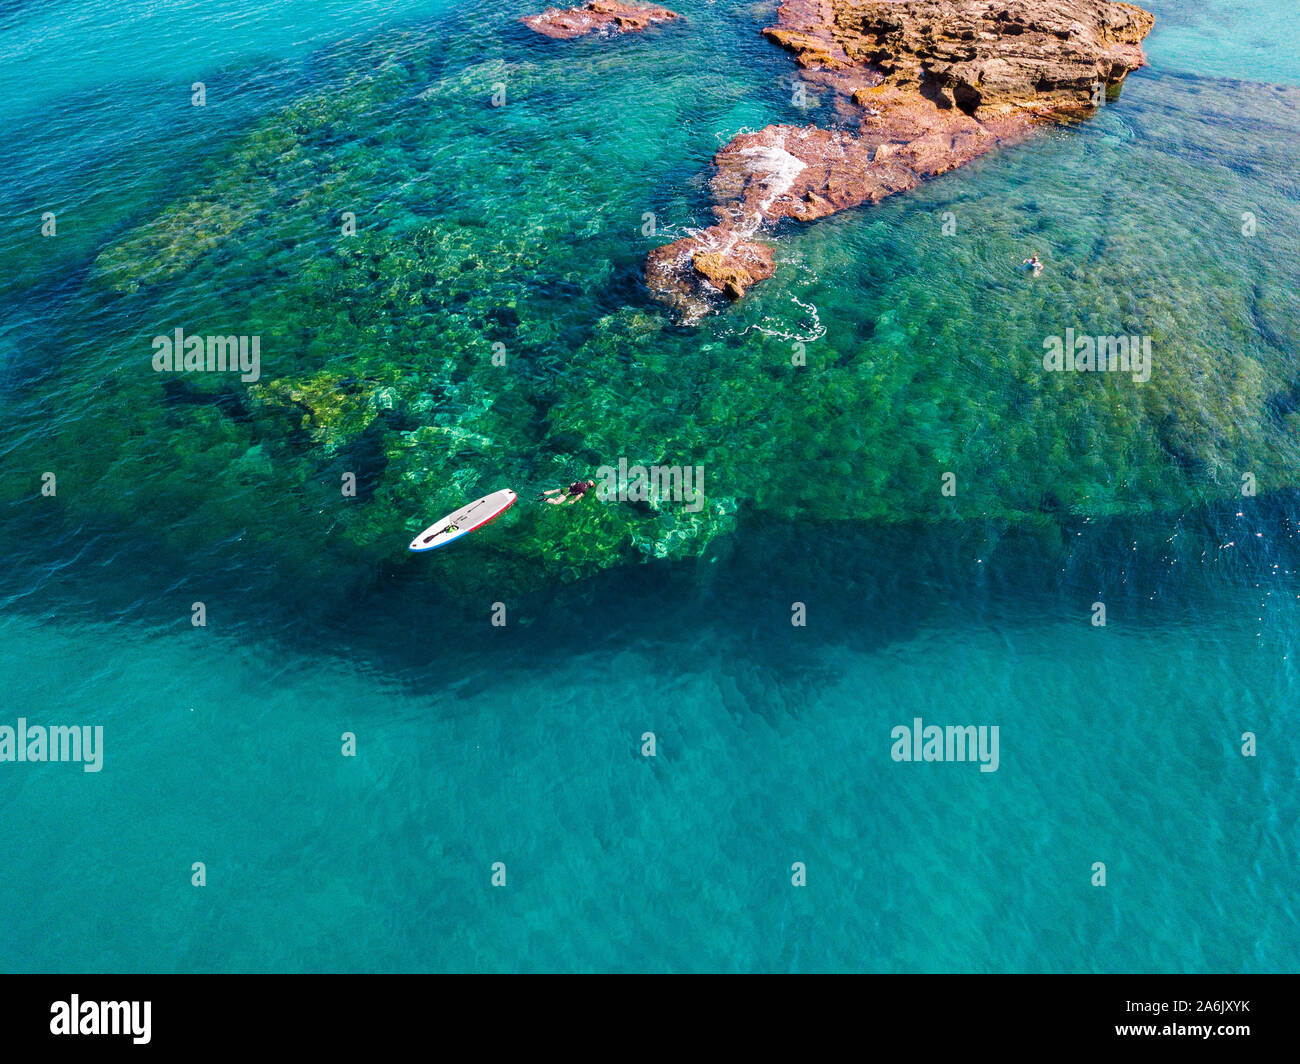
918	88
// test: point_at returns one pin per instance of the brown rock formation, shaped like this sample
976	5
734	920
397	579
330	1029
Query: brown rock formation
1041	56
566	23
922	86
689	274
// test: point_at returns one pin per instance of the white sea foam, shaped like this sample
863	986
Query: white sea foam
804	335
778	169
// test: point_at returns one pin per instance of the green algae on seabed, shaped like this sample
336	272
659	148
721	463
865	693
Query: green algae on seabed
515	230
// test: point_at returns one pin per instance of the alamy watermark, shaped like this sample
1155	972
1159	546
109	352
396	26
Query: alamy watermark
1098	354
656	483
57	743
952	743
179	353
102	1017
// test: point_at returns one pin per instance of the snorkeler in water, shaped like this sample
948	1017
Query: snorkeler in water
1032	263
571	494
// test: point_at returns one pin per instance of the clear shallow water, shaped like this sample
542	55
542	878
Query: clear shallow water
521	744
1226	38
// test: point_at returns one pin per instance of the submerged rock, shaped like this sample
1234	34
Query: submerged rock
922	86
379	346
598	15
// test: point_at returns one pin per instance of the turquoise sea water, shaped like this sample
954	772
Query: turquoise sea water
522	225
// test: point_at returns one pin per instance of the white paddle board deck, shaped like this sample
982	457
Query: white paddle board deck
461	523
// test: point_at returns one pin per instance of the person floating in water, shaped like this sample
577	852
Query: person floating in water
571	494
1032	263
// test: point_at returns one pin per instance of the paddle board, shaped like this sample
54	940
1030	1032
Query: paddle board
461	523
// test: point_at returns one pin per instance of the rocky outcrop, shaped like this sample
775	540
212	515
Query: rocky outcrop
978	51
689	274
921	87
597	15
